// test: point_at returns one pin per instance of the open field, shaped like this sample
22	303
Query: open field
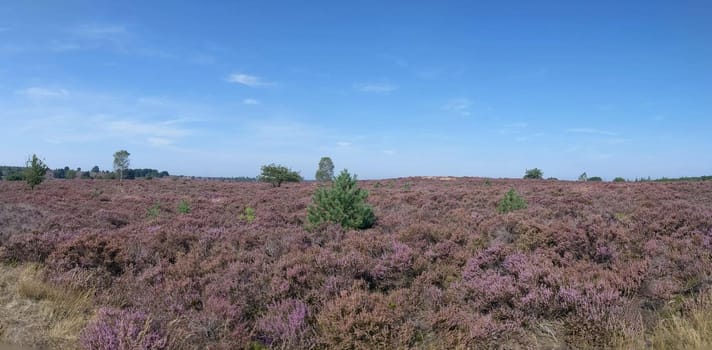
585	265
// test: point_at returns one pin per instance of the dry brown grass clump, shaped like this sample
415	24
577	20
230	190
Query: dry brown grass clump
36	314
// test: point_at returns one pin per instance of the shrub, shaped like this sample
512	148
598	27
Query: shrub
535	173
35	172
184	207
595	178
512	201
120	329
154	211
277	174
342	204
248	215
619	179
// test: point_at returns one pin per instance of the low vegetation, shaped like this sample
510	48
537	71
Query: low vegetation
610	266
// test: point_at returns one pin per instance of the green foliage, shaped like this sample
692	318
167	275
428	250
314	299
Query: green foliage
326	170
35	172
248	215
512	201
342	204
15	177
277	174
488	182
121	162
619	179
595	178
154	211
583	177
184	207
535	173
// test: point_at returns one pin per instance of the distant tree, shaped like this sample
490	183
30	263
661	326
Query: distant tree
619	179
535	173
35	172
583	177
95	169
121	162
326	170
277	174
341	204
595	178
70	174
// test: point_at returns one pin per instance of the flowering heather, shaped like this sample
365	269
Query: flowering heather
581	265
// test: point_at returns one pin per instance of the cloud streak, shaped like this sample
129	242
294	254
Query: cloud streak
460	106
248	80
42	92
378	88
590	131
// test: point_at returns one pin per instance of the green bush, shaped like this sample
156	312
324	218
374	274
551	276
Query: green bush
184	207
277	174
595	178
154	211
248	215
512	201
619	179
342	204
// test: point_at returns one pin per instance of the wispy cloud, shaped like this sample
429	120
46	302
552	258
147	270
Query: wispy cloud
379	88
591	131
163	132
250	101
344	144
460	106
388	152
100	31
248	80
42	92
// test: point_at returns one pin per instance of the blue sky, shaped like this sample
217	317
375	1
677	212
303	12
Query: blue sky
386	89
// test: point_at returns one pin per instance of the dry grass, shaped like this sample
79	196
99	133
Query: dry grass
688	328
36	314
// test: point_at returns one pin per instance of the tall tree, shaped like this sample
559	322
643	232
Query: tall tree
326	170
35	172
121	162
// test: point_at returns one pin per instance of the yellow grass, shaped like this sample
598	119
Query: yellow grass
36	314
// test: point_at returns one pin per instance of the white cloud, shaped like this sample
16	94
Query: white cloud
458	105
41	92
157	130
590	131
379	88
157	141
344	144
250	101
248	80
100	31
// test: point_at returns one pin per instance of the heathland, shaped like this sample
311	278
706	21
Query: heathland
181	264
